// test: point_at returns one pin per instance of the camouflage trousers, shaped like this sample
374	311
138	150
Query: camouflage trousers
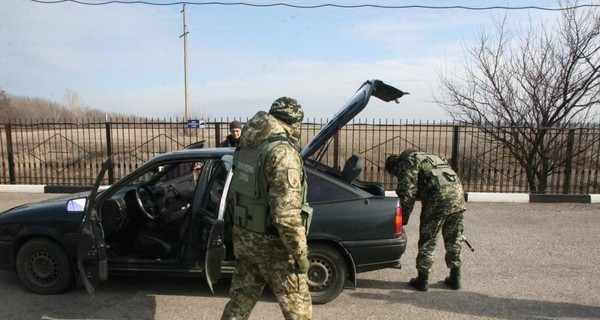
451	227
261	260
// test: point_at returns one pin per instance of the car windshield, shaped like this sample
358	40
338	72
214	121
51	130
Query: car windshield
165	173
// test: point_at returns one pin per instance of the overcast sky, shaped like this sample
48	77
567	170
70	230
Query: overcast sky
129	58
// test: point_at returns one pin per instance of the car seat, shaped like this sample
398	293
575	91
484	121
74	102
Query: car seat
162	241
353	167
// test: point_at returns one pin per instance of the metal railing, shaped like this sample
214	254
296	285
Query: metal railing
71	153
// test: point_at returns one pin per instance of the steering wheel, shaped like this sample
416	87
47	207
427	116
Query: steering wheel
145	200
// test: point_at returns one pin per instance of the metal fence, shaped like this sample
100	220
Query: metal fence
71	153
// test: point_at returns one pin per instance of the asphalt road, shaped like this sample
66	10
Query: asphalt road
532	261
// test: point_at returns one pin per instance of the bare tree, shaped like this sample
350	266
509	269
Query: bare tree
74	102
7	110
522	87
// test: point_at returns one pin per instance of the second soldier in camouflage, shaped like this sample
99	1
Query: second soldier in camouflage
430	179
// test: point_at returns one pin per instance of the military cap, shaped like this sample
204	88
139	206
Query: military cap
287	110
391	162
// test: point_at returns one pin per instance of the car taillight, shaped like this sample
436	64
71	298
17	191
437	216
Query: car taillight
398	219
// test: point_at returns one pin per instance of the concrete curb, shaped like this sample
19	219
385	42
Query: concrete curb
38	188
497	197
469	196
525	197
24	188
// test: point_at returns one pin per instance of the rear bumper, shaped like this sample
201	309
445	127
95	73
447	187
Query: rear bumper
369	255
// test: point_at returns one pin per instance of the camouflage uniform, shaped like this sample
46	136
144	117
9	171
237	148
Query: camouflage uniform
443	207
272	258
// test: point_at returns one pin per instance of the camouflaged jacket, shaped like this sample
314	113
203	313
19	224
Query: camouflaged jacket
283	170
415	176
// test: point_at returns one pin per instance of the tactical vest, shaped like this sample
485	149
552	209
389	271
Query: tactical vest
436	172
251	208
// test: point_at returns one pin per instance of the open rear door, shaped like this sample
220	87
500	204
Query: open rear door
215	251
91	249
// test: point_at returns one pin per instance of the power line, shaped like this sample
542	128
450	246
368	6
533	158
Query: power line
325	5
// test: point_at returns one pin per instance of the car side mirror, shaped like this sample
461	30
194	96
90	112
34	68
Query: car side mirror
76	205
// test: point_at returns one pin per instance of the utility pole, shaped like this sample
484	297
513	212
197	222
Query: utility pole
185	64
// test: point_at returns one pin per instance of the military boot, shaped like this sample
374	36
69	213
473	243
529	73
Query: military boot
453	281
421	282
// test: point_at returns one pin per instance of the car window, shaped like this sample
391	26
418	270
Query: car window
148	175
214	190
176	171
322	189
162	173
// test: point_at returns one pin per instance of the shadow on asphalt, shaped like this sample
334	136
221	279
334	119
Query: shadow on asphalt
474	304
121	297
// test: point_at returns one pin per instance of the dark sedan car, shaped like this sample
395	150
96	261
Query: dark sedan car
168	217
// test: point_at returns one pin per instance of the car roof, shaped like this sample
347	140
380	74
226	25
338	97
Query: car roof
191	154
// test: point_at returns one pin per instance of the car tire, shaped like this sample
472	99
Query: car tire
44	267
326	274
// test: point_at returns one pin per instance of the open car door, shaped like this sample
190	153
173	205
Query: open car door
215	251
91	249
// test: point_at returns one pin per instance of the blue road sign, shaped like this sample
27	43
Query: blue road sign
195	123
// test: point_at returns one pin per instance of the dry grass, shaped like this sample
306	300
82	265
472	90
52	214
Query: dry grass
71	153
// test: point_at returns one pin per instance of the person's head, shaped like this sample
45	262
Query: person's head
289	111
391	163
235	129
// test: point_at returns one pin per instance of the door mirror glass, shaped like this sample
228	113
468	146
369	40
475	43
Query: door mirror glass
76	205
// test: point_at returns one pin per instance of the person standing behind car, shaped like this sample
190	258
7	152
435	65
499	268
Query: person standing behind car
269	233
432	180
233	138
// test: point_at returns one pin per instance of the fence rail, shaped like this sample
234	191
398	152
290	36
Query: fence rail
70	153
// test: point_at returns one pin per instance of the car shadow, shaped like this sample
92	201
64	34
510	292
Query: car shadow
439	297
176	286
121	297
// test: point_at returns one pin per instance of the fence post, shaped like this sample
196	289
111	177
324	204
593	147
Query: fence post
455	141
111	170
217	133
10	154
569	163
336	151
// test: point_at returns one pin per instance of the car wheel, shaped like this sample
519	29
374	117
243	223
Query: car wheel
44	267
327	273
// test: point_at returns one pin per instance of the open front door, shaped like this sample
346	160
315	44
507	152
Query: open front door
91	249
215	251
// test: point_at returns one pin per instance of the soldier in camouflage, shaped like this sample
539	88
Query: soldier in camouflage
277	255
430	179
